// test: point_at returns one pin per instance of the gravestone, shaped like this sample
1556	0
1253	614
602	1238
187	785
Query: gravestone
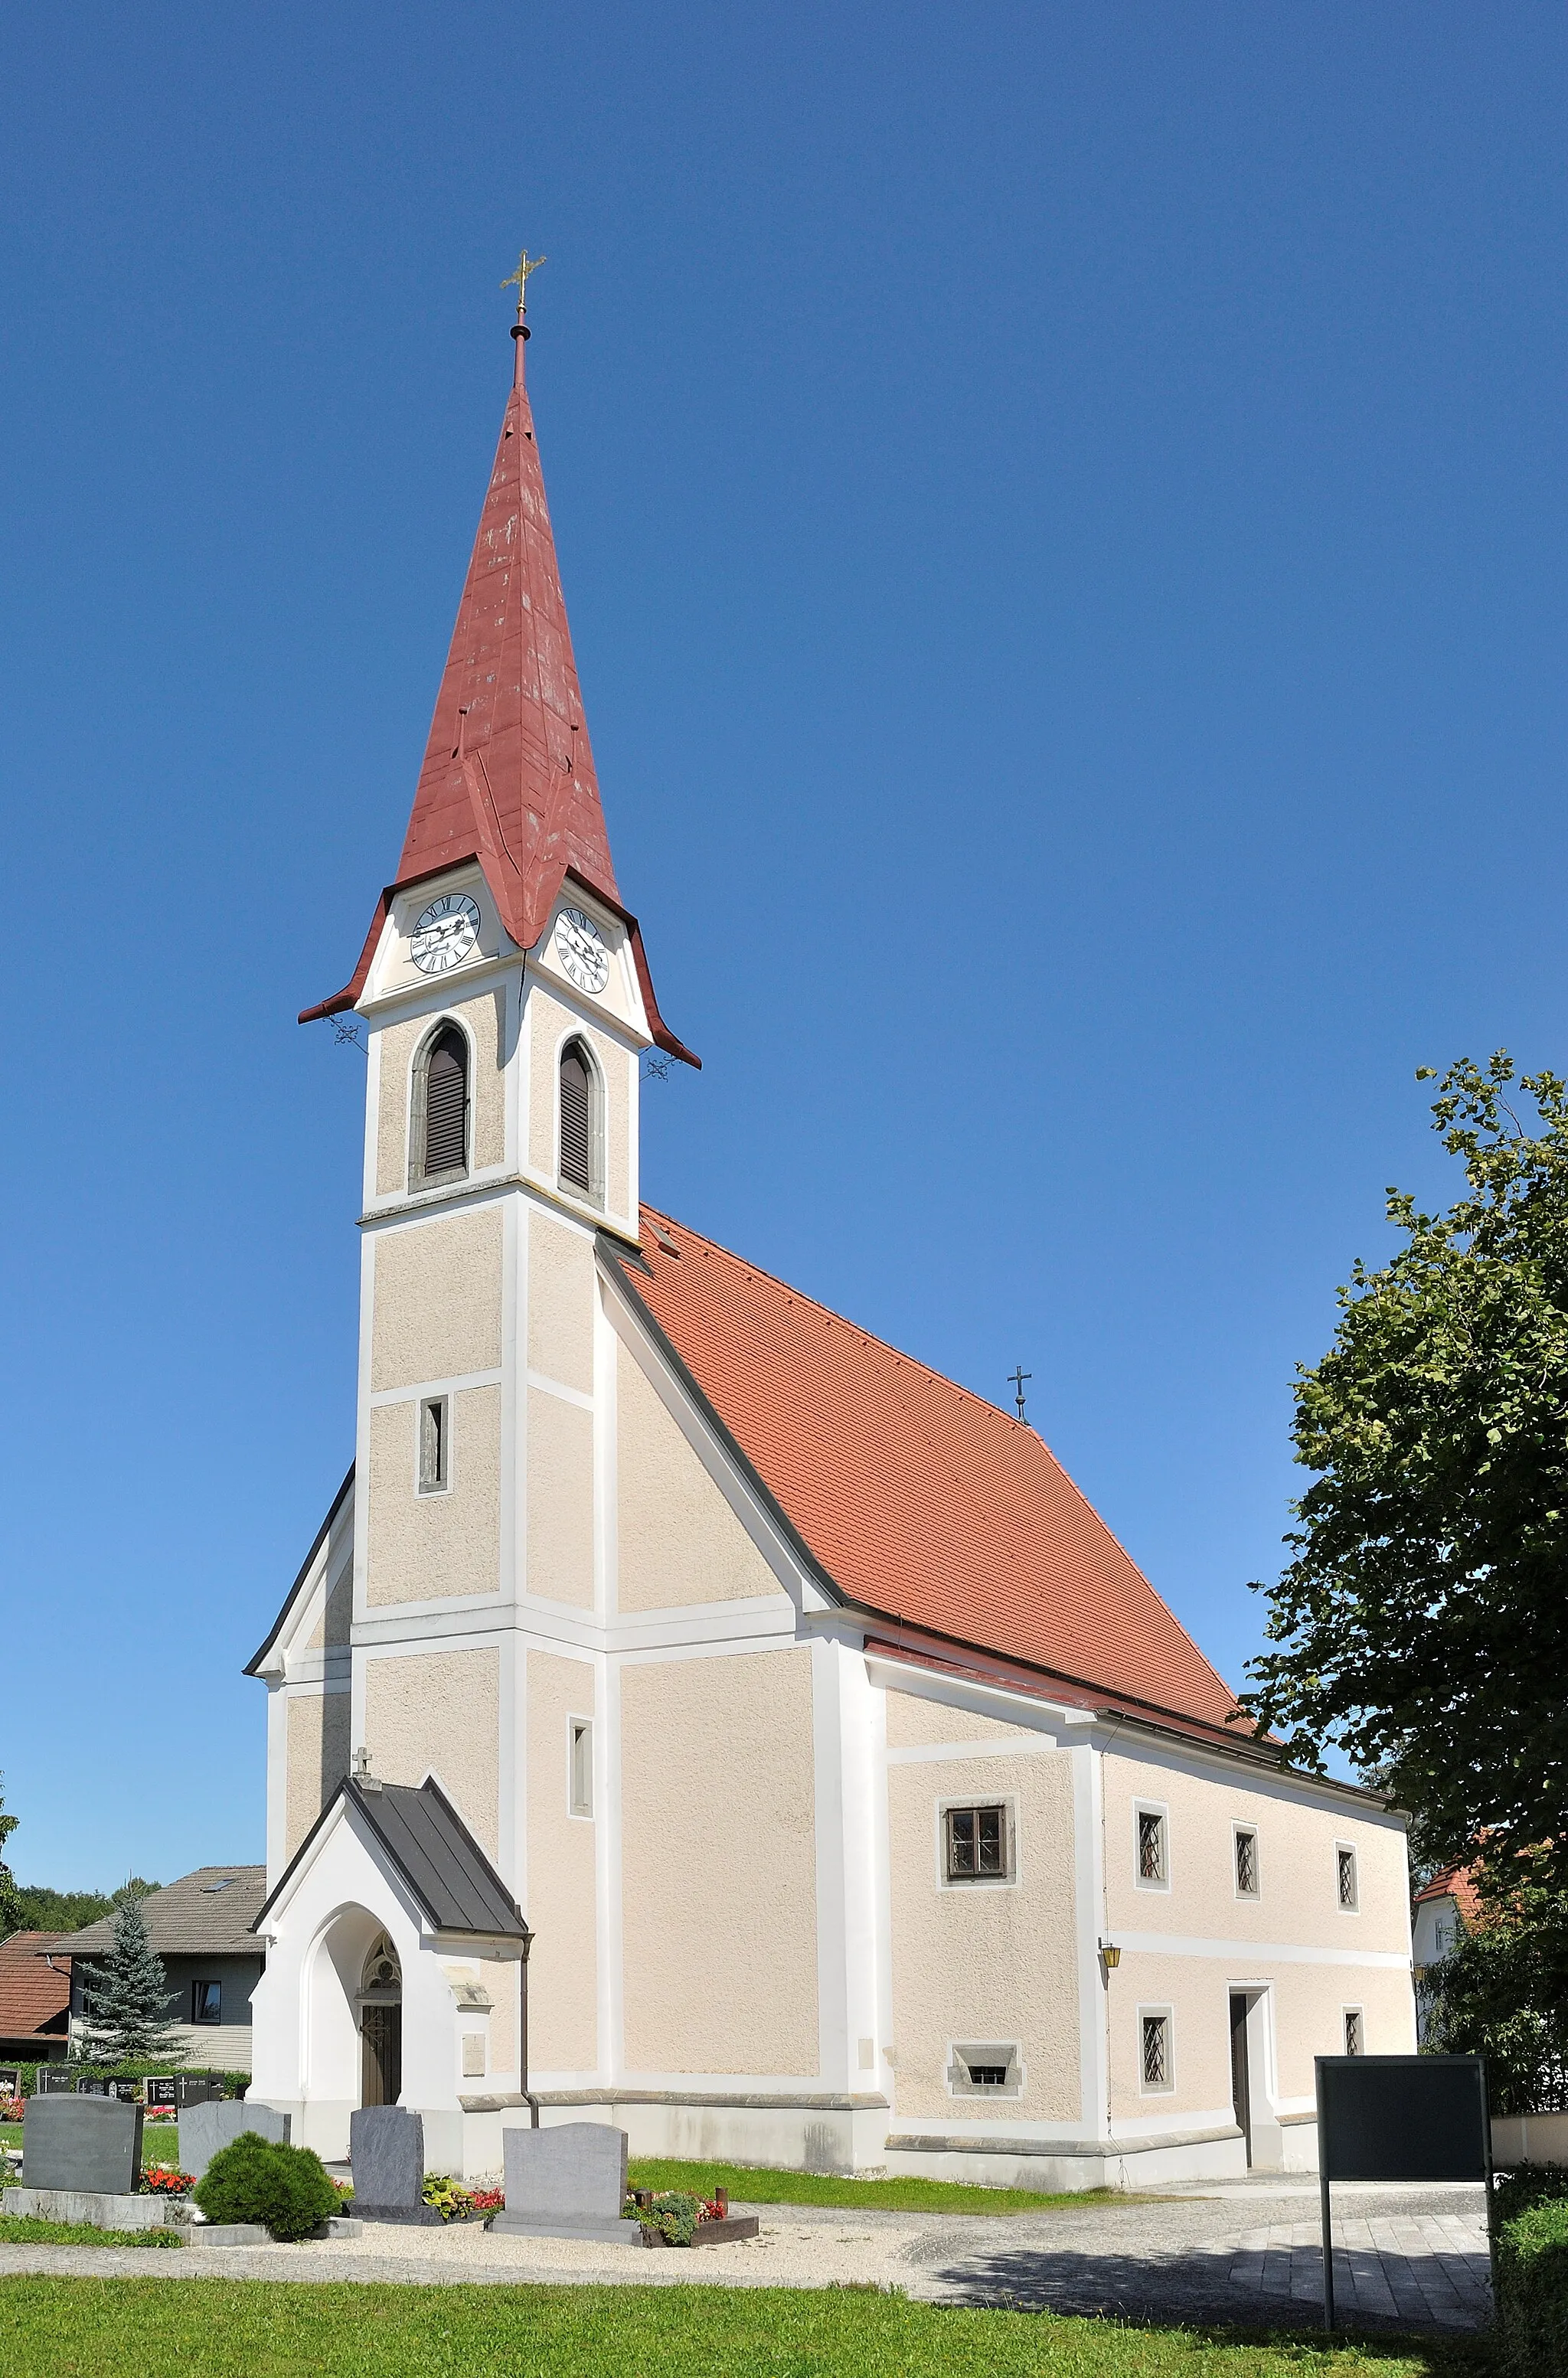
205	2130
569	2181
387	2157
197	2089
161	2091
10	2081
87	2145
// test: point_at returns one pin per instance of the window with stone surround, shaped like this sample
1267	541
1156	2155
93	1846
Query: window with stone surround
976	1845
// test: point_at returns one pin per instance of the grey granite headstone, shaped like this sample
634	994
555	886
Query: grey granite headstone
568	2181
204	2130
91	2143
386	2153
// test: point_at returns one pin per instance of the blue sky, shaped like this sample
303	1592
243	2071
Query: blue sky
1062	514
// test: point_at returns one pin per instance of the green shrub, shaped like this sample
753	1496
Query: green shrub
255	2179
1532	2270
1529	2183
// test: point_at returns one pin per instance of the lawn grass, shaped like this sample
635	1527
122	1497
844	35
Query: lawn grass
24	2231
752	2186
225	2328
160	2140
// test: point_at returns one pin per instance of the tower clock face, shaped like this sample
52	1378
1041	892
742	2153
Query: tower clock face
446	931
581	951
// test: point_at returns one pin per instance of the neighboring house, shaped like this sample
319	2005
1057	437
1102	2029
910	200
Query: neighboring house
35	1999
200	1927
1446	1907
866	1804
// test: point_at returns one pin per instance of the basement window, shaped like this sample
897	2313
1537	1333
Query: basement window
579	1784
984	2068
975	1844
435	1445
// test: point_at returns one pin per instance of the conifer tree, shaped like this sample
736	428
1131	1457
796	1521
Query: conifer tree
127	1994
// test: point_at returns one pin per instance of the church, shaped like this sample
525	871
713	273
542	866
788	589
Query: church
695	1714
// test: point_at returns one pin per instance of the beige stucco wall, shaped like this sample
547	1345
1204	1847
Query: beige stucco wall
719	1867
1297	1903
563	1966
560	1499
397	1045
439	1711
913	1721
678	1541
438	1299
333	1626
548	1022
422	1546
561	1296
1307	2020
982	1962
317	1758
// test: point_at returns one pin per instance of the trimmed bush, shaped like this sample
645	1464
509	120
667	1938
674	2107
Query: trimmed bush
255	2179
1529	2183
1532	2270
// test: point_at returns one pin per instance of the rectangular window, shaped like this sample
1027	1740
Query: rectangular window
1353	2036
984	2068
580	1778
1345	1863
1154	1864
434	1434
206	2002
1157	2059
1246	1863
976	1845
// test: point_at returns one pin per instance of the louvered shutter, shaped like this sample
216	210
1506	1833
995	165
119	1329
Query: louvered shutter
446	1105
577	1123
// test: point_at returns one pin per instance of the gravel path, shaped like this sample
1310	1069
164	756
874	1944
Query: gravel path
1246	2252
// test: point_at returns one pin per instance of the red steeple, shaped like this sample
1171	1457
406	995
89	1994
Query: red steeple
508	777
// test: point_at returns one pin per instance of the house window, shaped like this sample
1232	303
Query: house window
976	1845
207	2002
1345	1862
1354	2035
580	1121
1246	1862
579	1781
1157	2065
986	2068
434	1434
1154	1860
440	1108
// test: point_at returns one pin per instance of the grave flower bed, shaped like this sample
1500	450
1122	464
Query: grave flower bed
165	2179
453	2202
674	2218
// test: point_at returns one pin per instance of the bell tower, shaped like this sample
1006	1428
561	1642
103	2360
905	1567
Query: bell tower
508	1001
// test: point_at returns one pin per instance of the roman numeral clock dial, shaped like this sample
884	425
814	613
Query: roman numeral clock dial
584	959
445	933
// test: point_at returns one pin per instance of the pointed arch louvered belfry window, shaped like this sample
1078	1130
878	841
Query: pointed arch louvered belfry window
445	1094
578	1090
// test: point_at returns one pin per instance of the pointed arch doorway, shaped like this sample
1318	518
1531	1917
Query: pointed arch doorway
381	2025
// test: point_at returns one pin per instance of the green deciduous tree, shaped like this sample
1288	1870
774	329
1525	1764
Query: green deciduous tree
128	1993
11	1916
1501	1991
1422	1621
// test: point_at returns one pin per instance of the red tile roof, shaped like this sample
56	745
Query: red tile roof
32	1993
508	777
1458	1883
916	1498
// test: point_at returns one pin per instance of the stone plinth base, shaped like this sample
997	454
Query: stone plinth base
413	2217
593	2233
228	2233
85	2206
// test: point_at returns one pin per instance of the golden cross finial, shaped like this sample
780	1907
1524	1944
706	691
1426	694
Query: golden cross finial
518	280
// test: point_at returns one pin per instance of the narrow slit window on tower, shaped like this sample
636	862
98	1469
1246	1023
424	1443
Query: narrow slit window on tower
580	1774
443	1136
434	1449
577	1119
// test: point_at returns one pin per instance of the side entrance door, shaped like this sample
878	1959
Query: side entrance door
1240	2080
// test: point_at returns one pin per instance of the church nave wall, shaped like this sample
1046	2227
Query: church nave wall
719	1865
677	1539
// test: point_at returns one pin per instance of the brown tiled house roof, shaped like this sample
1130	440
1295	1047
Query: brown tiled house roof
35	1995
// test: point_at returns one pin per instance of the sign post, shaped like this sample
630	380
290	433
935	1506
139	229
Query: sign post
1400	2117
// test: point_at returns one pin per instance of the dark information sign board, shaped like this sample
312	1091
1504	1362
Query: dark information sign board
1399	2118
1402	2118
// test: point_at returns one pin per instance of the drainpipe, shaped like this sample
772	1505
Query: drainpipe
528	2099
